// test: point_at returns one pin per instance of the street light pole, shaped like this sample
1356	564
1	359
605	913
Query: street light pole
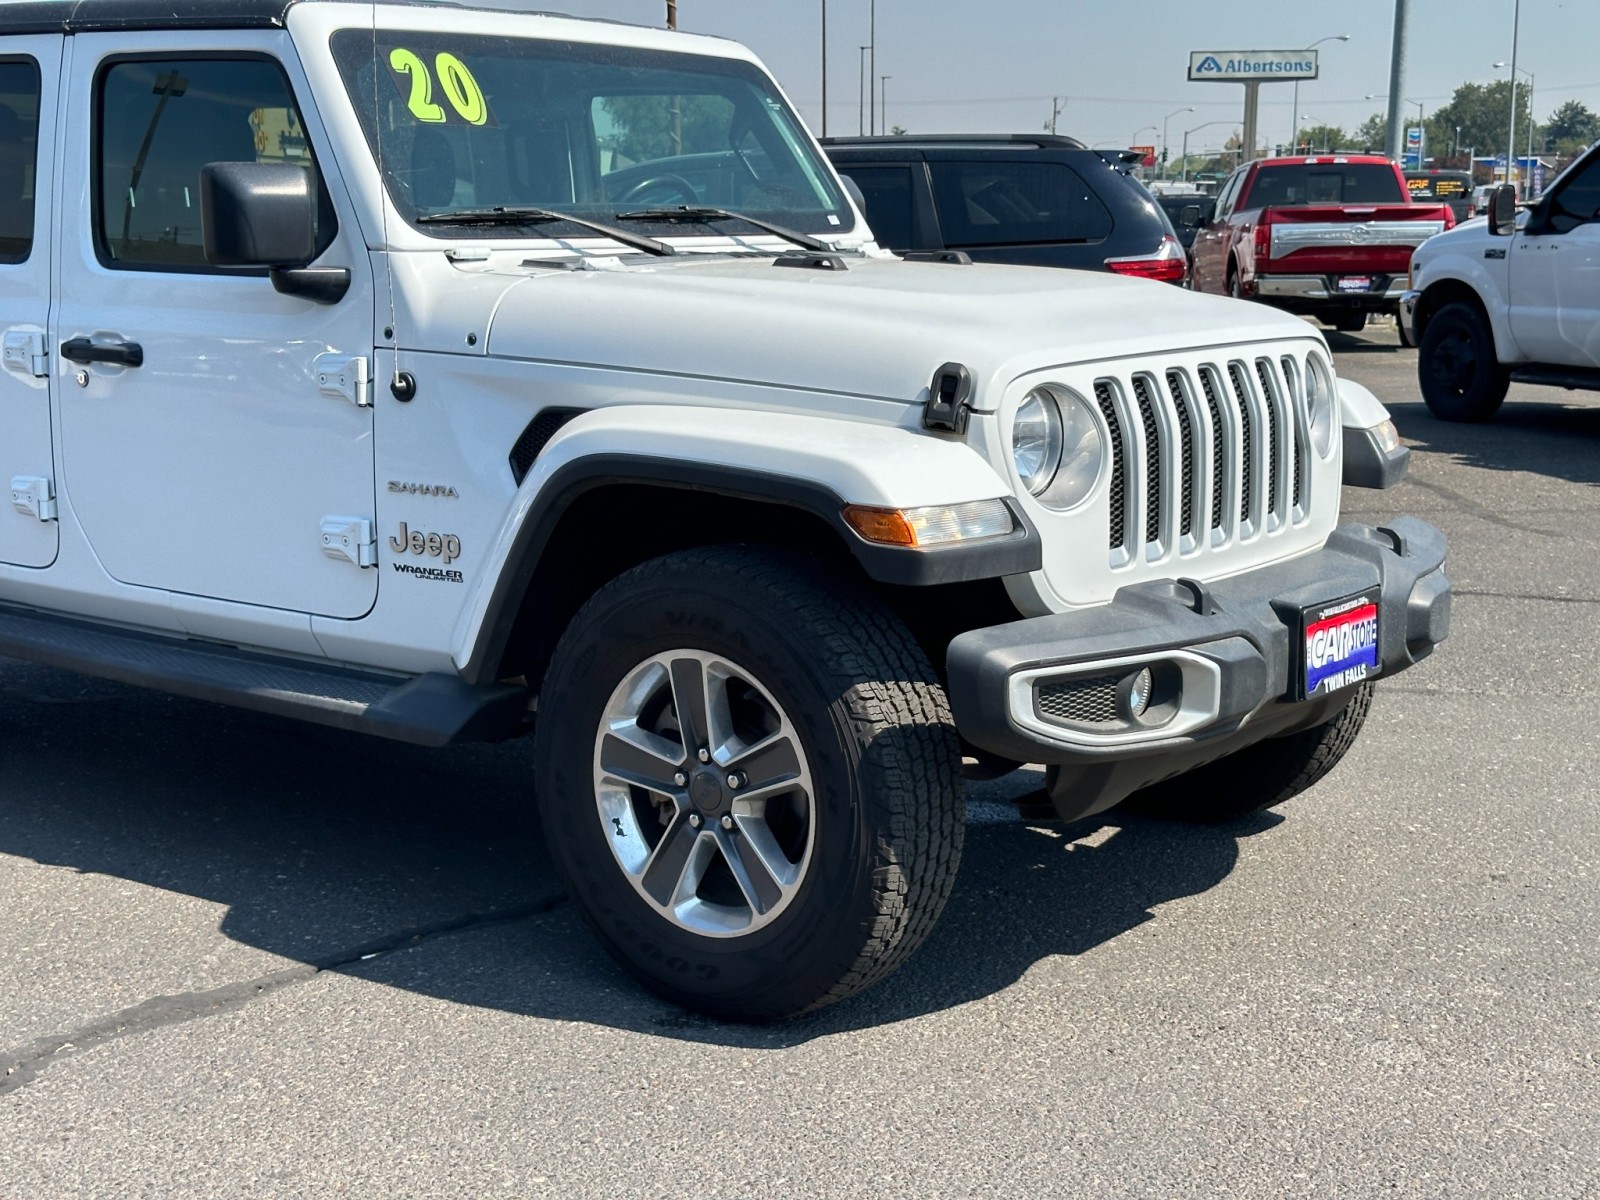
861	111
1511	134
883	101
672	14
1164	120
872	64
824	68
1186	134
1294	134
1515	71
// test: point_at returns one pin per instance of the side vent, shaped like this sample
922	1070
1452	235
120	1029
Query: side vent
540	430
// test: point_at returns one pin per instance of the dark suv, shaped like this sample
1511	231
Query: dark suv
1038	200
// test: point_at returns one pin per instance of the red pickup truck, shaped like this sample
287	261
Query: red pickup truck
1329	236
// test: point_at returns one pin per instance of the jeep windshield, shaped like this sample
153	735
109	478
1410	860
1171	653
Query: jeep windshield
467	123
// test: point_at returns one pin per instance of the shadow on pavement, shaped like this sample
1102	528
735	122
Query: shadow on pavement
320	843
1375	339
1556	434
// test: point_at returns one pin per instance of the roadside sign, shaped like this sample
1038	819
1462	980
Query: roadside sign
1251	66
1148	153
1414	136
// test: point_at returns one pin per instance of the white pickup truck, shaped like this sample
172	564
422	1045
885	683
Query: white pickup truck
1513	297
447	373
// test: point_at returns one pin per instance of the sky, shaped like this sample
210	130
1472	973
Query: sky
1119	66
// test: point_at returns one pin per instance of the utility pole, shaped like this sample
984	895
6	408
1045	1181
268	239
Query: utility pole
883	99
824	68
872	64
672	14
1397	71
1057	107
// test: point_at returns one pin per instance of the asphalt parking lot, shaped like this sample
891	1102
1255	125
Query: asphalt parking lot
245	958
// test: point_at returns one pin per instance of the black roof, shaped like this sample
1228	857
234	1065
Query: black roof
81	16
86	16
1040	140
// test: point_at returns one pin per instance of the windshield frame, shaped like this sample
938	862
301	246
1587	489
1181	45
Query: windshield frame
351	51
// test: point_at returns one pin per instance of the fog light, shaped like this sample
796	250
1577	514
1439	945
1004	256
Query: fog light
1133	694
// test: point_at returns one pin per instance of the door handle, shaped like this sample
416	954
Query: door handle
123	354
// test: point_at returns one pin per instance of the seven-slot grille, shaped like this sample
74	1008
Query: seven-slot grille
1203	455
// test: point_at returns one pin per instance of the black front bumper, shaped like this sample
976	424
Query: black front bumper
1242	635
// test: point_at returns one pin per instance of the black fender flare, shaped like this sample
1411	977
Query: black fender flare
1017	554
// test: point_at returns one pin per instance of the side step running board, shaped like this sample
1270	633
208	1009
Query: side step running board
1585	379
428	710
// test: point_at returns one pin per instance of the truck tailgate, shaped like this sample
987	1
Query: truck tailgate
1328	237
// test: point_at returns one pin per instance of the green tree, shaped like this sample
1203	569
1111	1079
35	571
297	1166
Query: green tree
1480	111
1315	138
1571	127
1371	134
645	128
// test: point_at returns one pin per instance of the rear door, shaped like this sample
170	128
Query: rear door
1555	274
212	464
1021	211
898	208
30	70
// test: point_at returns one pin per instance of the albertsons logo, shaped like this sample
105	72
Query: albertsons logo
1209	63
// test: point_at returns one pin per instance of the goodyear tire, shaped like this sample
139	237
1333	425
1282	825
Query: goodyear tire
750	781
1460	377
1260	776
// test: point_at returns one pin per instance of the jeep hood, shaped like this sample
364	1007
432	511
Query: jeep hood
878	328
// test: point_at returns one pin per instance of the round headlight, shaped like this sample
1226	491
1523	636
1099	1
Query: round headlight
1036	440
1082	454
1321	405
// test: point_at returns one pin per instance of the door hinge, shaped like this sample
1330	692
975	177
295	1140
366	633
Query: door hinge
25	353
34	496
350	539
345	377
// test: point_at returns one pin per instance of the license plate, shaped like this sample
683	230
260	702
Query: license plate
1355	283
1339	644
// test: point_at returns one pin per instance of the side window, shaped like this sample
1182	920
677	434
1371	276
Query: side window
890	203
1013	203
160	122
19	147
1229	194
1578	201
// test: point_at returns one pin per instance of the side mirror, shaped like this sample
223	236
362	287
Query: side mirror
257	214
265	215
1503	211
1189	216
853	190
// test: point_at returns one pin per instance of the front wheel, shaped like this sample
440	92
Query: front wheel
1460	376
1258	777
749	778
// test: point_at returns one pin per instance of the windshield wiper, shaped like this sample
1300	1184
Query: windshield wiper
687	213
513	215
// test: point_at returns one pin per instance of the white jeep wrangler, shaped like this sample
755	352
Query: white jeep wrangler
1513	297
449	374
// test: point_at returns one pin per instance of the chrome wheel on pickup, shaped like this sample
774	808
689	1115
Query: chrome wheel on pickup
750	780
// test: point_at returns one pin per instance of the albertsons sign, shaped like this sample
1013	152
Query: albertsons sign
1251	66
